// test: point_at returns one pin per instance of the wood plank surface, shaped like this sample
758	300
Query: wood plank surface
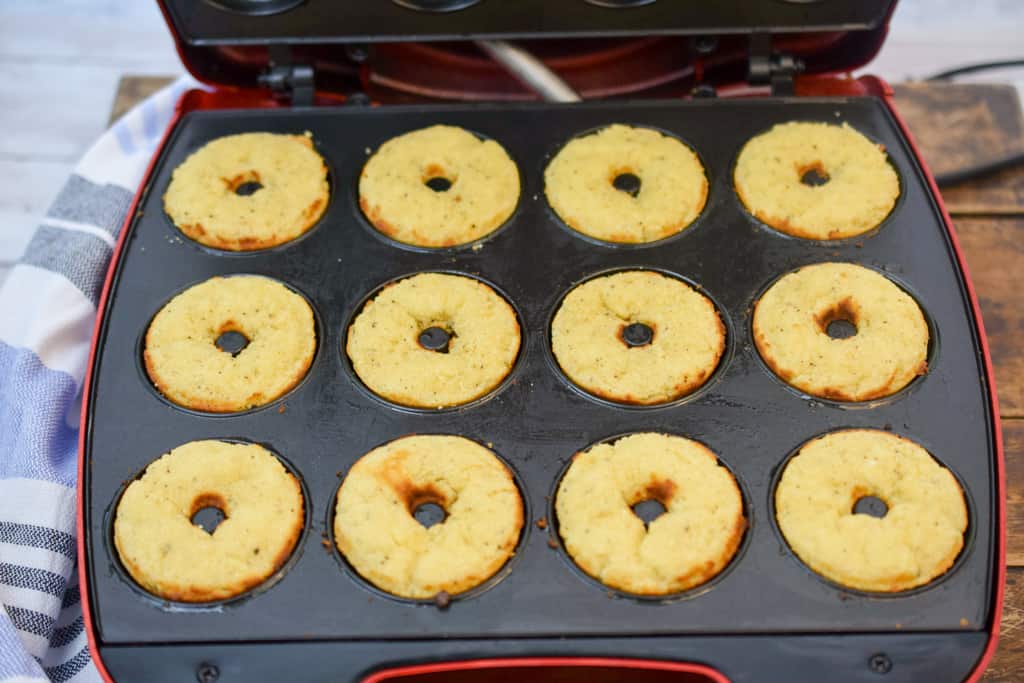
960	125
1008	664
994	249
1013	446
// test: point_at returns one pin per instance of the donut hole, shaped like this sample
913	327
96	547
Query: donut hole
636	334
652	501
626	181
244	184
813	175
429	514
871	506
231	341
435	338
427	506
437	179
208	511
438	184
246	189
841	329
840	321
648	510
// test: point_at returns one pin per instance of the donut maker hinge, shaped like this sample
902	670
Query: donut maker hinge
290	81
772	68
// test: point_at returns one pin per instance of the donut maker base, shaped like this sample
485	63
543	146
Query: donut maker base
766	618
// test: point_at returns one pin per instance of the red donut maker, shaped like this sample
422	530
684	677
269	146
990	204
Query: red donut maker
713	74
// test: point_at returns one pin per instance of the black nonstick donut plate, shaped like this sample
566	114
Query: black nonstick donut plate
768	618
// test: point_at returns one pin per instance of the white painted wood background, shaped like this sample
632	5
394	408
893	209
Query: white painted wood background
60	61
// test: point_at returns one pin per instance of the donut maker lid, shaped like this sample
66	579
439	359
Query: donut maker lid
349	44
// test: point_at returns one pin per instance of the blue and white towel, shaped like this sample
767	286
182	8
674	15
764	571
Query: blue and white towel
47	311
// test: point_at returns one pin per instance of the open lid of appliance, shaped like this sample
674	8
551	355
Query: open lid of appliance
239	42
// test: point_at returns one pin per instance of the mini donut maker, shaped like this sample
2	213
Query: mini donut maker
335	68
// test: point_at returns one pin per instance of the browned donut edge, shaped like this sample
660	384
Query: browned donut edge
832	393
621	238
197	232
681	389
699	575
407	493
192	594
905	582
411	402
254	400
783	225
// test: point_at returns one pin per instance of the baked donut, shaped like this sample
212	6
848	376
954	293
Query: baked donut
637	337
186	365
173	558
376	531
816	180
791	332
434	340
690	543
249	191
581	184
918	538
477	187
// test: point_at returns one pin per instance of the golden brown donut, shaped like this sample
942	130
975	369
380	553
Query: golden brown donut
173	558
204	200
688	545
376	531
917	540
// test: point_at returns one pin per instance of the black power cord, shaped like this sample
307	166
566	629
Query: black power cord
962	175
974	68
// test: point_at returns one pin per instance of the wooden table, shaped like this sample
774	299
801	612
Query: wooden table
955	126
958	125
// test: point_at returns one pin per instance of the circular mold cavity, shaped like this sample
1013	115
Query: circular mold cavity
438	182
618	4
626	181
648	510
816	175
427	514
875	507
434	336
207	517
843	326
255	7
247	185
640	338
230	340
436	5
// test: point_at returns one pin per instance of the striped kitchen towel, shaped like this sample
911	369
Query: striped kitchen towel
47	310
